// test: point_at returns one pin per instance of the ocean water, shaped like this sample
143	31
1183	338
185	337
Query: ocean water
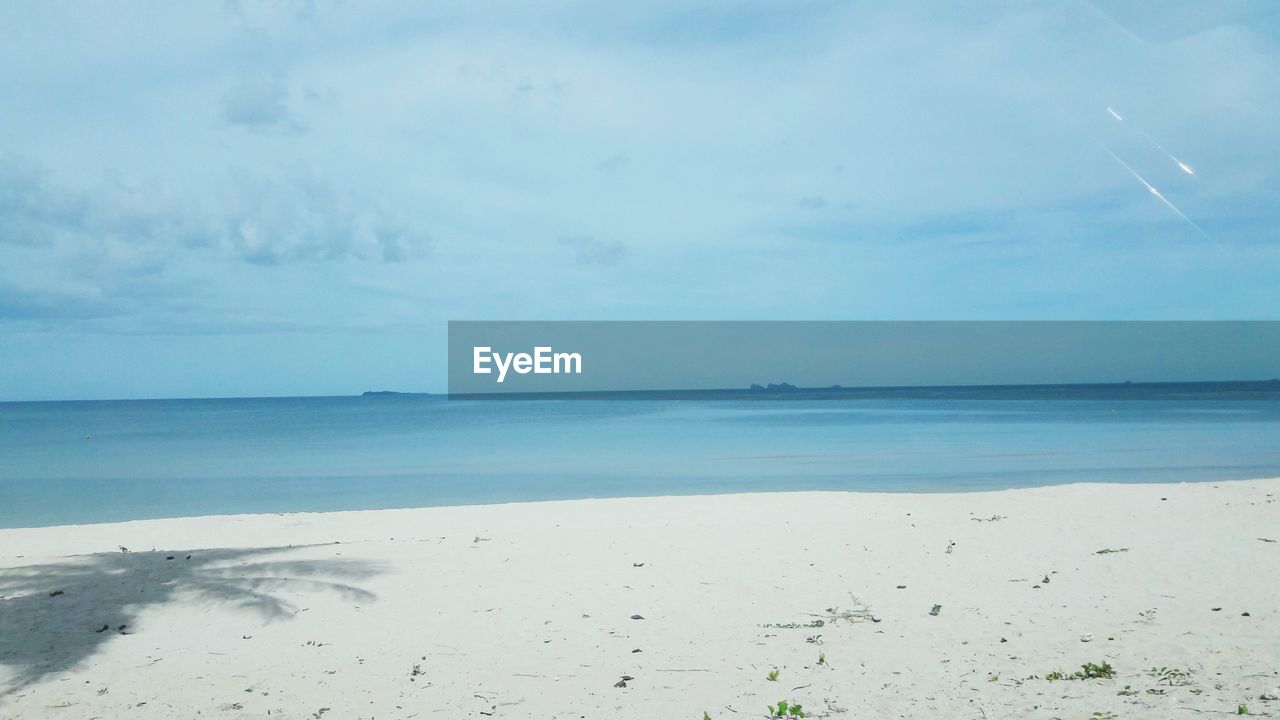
78	462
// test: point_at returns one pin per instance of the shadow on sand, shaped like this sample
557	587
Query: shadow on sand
51	615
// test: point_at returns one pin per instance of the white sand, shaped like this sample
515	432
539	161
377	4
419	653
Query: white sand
534	619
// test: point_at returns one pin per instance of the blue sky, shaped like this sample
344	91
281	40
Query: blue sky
272	198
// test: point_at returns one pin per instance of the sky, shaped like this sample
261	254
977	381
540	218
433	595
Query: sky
243	198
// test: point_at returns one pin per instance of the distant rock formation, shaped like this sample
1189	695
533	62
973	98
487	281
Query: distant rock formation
386	393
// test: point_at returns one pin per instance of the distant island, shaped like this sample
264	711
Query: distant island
775	387
387	393
1119	390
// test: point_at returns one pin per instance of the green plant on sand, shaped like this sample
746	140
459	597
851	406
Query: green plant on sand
785	709
1088	671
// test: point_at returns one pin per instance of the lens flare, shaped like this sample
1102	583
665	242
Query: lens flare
1181	165
1158	195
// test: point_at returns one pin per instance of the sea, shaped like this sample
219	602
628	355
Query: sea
105	461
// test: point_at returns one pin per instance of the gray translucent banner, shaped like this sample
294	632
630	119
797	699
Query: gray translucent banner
523	358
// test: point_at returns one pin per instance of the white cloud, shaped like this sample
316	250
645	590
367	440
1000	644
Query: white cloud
260	103
588	250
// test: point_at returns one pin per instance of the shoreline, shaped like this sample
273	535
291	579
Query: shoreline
608	498
525	609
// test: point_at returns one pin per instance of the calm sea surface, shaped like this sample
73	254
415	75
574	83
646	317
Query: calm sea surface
77	462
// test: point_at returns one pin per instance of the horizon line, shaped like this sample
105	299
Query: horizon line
754	389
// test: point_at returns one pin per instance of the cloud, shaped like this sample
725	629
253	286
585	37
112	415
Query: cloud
145	254
304	216
297	215
80	253
587	250
613	164
28	303
29	206
39	211
260	103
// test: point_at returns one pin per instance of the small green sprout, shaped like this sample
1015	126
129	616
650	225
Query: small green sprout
1088	671
785	709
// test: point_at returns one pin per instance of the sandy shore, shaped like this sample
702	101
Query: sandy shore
540	610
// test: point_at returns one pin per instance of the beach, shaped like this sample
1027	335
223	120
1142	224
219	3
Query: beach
1073	601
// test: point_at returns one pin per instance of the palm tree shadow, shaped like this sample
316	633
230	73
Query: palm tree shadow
52	615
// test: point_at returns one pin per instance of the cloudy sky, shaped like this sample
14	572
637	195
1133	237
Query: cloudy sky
270	198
